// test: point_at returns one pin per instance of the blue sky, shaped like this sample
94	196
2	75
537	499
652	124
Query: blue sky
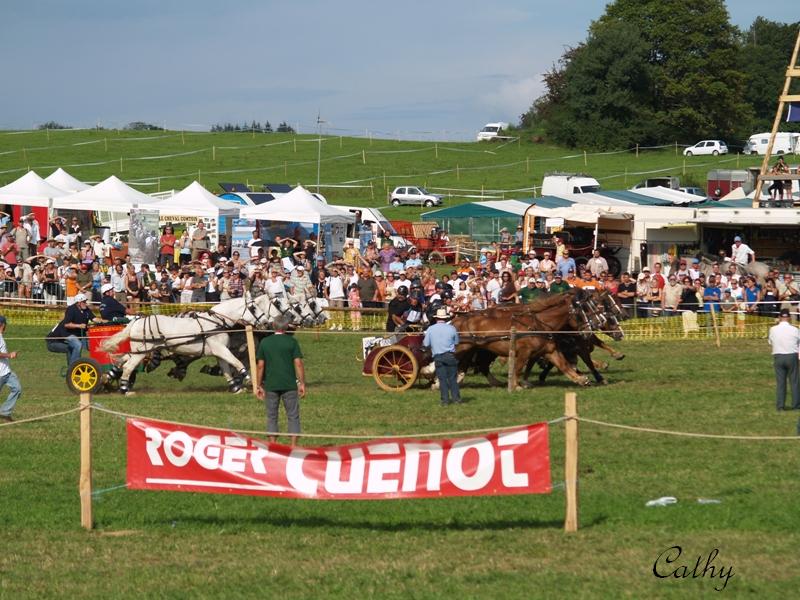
412	69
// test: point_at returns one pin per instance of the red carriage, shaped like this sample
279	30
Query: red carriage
91	374
395	362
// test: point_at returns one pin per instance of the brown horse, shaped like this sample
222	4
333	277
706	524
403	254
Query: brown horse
576	346
484	335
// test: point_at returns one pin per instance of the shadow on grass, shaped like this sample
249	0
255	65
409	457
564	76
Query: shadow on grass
314	522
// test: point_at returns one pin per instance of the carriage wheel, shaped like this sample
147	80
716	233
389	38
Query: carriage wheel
436	258
395	368
84	376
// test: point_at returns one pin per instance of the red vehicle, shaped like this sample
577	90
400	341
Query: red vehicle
90	374
428	239
395	367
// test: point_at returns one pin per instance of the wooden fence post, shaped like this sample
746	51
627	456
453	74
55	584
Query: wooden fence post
512	360
85	482
713	314
571	462
251	353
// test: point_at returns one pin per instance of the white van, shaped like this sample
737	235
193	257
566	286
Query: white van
785	143
558	184
374	218
492	131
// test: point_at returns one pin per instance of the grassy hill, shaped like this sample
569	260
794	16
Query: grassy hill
368	168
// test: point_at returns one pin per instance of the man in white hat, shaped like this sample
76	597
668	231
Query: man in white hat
110	308
69	336
442	339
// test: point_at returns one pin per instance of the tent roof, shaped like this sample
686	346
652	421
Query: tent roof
29	190
298	206
667	194
61	179
489	208
111	194
197	201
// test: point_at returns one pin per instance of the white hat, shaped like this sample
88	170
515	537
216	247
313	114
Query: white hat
300	268
81	298
442	314
106	287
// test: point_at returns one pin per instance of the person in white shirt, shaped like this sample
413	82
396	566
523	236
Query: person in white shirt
532	262
740	252
7	376
254	244
493	286
274	285
785	341
335	287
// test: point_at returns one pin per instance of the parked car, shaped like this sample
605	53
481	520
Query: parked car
413	195
714	147
492	131
697	191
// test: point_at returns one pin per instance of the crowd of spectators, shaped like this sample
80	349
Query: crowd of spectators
377	275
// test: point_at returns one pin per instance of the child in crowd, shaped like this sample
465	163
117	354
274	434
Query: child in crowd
354	302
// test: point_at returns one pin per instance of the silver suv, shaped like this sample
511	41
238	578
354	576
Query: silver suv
413	195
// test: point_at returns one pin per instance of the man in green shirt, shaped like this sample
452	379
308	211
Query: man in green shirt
282	375
559	285
533	290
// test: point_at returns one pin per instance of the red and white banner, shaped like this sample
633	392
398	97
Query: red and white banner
164	456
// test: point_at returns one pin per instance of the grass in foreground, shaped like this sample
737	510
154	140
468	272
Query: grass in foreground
177	545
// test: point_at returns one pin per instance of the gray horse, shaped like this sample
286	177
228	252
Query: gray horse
757	269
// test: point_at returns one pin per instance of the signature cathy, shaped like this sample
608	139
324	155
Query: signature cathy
669	564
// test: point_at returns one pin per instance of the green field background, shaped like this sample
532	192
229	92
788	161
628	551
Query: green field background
180	545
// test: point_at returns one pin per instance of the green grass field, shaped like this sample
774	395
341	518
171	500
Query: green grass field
171	160
162	544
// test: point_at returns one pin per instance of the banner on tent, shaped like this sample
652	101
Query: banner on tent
168	456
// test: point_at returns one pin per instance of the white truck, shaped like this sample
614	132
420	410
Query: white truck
563	183
785	143
492	132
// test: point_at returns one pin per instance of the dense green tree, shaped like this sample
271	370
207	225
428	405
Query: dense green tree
698	88
766	48
604	100
656	70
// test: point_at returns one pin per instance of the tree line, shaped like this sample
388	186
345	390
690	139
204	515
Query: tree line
255	126
655	71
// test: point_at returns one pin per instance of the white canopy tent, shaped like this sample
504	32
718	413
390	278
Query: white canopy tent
196	201
30	190
674	196
111	194
298	206
61	179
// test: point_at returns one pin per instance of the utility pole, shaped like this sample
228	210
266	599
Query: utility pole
319	146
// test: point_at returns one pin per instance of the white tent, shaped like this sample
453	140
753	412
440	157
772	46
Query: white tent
298	206
111	194
196	201
61	179
674	196
30	190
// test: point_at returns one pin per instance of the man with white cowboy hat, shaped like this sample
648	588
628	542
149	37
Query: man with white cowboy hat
442	339
69	335
110	308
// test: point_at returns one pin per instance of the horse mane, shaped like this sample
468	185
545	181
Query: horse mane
547	301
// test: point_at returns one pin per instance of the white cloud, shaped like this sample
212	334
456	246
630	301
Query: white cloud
510	98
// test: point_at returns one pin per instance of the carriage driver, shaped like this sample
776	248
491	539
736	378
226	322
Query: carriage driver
110	308
69	336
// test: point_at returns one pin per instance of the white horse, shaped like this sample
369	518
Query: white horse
756	268
200	334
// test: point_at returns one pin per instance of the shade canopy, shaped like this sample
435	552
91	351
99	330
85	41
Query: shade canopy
196	201
489	208
298	206
61	179
111	194
30	190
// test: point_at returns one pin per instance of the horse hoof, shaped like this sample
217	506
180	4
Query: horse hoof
584	381
129	393
618	356
237	390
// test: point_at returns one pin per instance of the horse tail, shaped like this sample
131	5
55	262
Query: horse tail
110	344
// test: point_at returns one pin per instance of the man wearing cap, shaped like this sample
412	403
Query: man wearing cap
413	261
741	253
530	292
558	286
110	308
69	335
300	283
7	376
397	308
442	339
785	341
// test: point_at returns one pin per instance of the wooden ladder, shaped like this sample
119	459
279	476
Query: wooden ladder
791	72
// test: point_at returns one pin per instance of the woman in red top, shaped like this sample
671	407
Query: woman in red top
8	250
167	242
